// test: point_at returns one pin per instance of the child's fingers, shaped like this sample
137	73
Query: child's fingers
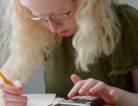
87	85
75	89
75	78
19	85
7	88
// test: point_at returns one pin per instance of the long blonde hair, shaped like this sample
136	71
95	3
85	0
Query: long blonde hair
97	33
31	42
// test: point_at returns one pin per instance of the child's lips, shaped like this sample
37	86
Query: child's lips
63	32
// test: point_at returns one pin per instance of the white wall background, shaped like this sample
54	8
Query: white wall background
133	3
36	84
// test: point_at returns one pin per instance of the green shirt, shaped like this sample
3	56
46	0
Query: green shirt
114	69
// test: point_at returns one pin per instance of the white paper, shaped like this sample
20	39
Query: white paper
40	99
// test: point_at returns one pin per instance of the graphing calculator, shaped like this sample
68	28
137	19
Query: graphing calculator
82	101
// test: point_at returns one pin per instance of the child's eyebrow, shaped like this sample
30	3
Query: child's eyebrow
57	12
60	10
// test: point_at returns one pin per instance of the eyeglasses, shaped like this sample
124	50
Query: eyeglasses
60	18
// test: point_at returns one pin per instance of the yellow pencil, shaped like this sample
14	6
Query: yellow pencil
5	79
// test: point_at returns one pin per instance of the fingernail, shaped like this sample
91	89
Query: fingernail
70	95
81	92
91	91
21	88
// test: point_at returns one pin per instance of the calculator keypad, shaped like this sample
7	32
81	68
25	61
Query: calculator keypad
82	99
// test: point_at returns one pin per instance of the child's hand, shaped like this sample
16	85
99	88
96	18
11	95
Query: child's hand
92	87
11	96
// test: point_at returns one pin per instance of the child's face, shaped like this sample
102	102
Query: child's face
56	15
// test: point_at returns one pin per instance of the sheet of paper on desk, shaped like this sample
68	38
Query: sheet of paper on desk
40	99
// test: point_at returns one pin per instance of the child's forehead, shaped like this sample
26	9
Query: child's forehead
47	7
46	2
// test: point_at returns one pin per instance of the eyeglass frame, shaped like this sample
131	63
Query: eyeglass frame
45	21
